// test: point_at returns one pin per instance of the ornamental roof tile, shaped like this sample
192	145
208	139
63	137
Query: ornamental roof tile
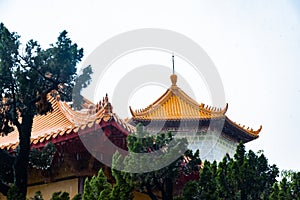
63	120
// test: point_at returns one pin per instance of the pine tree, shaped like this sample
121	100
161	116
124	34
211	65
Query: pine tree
295	185
164	146
191	191
225	180
97	188
207	181
288	187
246	176
122	190
27	76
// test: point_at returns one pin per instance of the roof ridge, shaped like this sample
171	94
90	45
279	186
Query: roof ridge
62	107
176	91
124	124
76	117
150	108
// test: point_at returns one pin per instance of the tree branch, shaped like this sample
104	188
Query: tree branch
54	87
39	72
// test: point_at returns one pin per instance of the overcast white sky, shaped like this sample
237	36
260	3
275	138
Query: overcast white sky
255	46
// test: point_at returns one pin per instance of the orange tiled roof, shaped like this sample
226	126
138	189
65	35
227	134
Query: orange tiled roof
175	104
63	120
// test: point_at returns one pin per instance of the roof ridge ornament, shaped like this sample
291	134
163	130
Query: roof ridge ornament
107	106
173	76
173	62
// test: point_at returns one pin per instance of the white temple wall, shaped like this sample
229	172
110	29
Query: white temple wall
212	145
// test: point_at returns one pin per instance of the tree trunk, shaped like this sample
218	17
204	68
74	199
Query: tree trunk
22	159
150	193
169	189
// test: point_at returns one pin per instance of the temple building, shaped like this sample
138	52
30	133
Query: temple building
68	129
206	128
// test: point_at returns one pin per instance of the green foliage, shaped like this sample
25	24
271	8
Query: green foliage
288	187
166	149
55	196
42	159
190	191
122	190
9	45
77	197
225	179
82	81
295	185
6	169
60	196
97	188
178	198
37	196
27	76
205	187
37	71
207	183
246	176
14	194
87	189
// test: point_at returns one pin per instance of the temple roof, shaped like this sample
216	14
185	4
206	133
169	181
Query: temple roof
63	120
175	104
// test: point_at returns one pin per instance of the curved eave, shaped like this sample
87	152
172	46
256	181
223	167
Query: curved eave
240	133
207	111
71	132
230	128
133	113
63	123
120	124
43	139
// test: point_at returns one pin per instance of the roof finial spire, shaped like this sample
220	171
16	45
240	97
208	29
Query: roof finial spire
173	76
173	62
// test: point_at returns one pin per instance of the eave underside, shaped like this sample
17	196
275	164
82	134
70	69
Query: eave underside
228	128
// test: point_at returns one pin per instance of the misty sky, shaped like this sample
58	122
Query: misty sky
255	46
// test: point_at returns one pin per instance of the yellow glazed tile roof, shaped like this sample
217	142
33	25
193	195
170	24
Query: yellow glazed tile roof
175	104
